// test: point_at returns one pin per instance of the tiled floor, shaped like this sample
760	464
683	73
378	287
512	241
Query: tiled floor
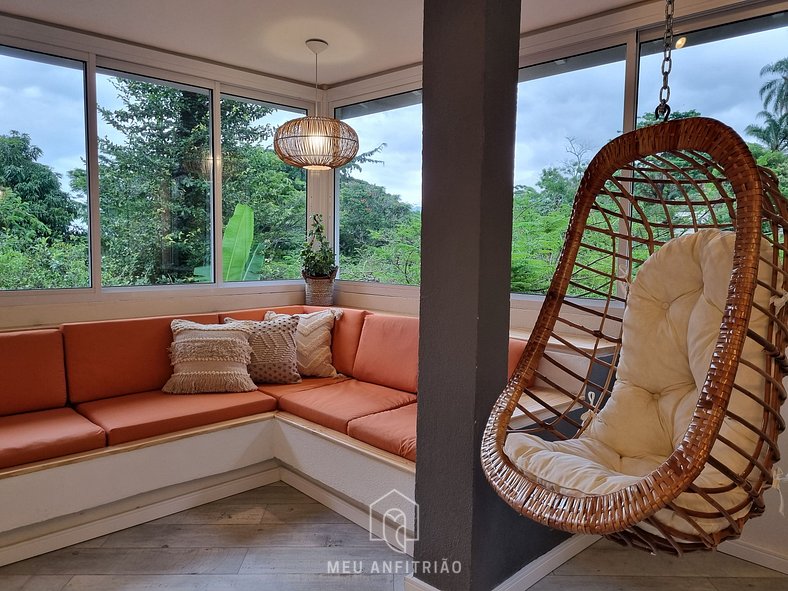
276	538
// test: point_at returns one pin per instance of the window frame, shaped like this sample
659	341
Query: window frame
123	58
632	25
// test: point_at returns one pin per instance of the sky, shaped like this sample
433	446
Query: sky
720	79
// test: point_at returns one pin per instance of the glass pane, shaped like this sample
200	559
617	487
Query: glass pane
380	192
566	110
737	73
43	188
263	199
154	181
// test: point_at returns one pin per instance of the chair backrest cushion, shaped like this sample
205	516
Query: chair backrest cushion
116	357
32	370
388	352
671	326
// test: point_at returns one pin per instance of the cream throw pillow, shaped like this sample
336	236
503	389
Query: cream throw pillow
313	341
273	344
208	358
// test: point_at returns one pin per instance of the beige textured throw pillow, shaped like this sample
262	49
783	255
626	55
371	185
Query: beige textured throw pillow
313	341
273	349
208	358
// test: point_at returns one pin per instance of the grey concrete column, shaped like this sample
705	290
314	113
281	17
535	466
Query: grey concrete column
470	87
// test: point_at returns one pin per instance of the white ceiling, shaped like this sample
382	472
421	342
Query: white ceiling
364	36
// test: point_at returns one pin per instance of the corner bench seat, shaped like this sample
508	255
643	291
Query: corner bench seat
115	369
85	402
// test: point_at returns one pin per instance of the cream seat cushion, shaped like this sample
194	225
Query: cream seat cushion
671	324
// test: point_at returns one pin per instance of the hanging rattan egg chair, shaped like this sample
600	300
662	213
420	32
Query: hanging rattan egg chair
655	423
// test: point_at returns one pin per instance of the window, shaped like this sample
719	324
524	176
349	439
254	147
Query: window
566	110
380	192
737	73
154	181
43	193
263	199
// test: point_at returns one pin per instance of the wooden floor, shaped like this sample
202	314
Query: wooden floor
276	538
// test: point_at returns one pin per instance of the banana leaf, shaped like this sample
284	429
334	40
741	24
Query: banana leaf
237	242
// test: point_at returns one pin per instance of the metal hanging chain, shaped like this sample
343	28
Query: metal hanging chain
663	109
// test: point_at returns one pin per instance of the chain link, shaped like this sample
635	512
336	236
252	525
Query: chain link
663	109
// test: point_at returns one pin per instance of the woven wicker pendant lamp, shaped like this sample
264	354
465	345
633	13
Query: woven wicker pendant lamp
315	142
668	181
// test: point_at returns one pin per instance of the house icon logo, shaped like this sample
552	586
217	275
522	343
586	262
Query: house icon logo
394	518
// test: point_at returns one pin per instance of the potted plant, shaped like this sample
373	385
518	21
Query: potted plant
318	266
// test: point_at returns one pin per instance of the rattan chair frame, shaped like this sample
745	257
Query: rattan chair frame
640	190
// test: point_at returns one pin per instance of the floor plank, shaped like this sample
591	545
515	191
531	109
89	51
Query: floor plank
605	583
220	513
28	583
320	560
610	559
132	561
760	584
153	535
231	583
301	513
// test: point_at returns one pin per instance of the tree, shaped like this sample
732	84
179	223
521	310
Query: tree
773	133
365	208
155	186
38	187
775	91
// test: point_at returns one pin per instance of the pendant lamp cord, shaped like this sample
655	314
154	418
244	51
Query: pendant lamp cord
317	112
663	109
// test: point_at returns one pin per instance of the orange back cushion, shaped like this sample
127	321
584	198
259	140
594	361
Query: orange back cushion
516	348
258	314
33	375
388	352
345	338
115	357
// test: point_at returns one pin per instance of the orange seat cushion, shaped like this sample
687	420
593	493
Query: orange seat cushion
344	338
336	405
115	357
279	390
393	430
33	375
388	352
35	436
147	414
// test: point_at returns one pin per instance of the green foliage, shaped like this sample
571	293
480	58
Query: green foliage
276	193
647	119
379	234
317	256
774	92
237	243
773	133
38	186
43	264
155	188
41	245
